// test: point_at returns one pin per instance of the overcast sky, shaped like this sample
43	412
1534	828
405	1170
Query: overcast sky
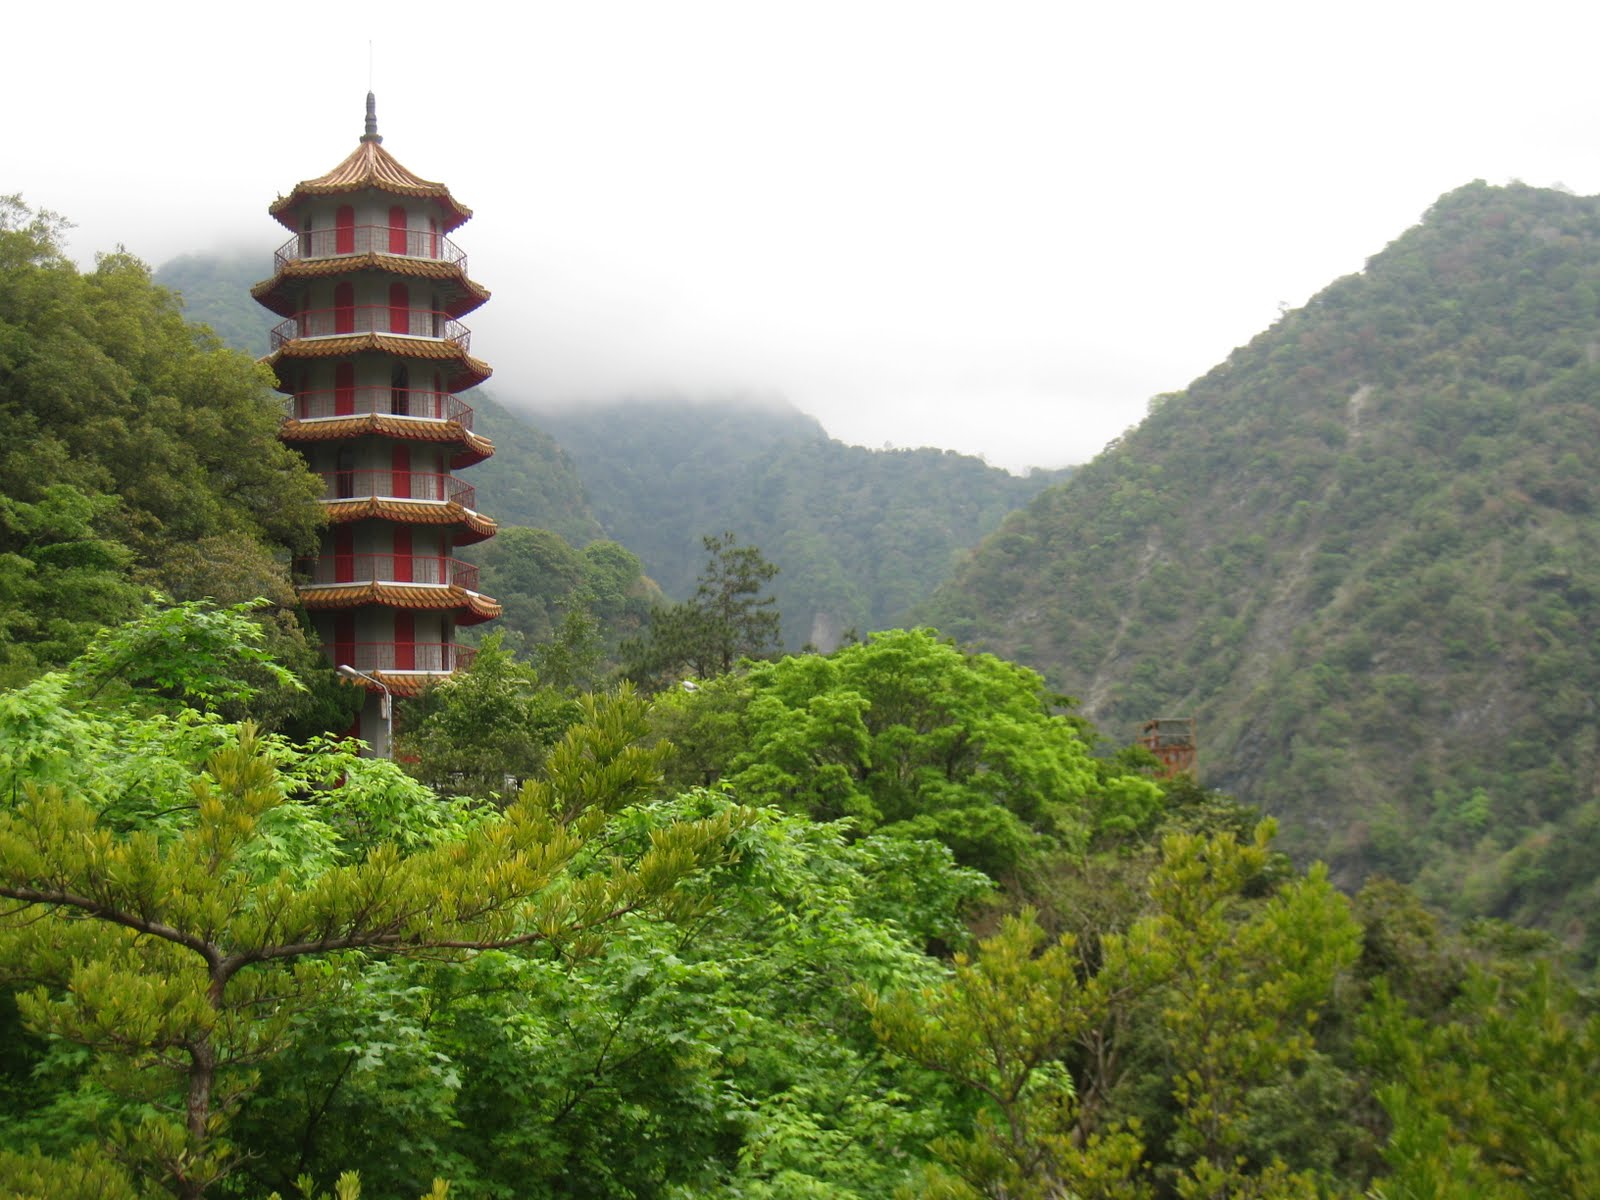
995	227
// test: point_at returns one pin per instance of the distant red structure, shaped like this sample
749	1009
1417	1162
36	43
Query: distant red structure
1172	740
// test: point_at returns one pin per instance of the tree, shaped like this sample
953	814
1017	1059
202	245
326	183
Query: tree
721	1057
139	454
727	619
178	891
1228	984
1494	1096
909	734
484	731
1004	1025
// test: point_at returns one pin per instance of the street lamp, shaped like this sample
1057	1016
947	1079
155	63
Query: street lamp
385	704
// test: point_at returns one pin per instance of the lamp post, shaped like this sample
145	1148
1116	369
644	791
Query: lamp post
385	704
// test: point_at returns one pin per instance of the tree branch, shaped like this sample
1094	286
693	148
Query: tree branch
116	916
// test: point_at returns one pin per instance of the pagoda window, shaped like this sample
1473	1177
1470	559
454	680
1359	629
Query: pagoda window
344	639
402	554
400	390
344	226
397	229
344	390
401	472
437	399
305	237
344	308
399	308
344	555
344	473
433	238
436	315
405	641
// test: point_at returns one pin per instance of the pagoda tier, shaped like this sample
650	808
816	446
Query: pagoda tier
371	354
447	279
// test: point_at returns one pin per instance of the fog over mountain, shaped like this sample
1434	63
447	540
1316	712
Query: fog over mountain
997	231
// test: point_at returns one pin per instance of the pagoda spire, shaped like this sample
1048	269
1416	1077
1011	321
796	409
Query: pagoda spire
372	134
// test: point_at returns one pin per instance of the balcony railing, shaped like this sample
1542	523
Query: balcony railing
369	239
390	401
387	568
372	318
400	656
396	485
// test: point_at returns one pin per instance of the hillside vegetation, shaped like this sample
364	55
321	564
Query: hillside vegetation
1363	552
861	536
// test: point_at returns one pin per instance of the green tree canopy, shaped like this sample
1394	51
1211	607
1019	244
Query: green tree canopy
907	733
728	619
176	891
132	438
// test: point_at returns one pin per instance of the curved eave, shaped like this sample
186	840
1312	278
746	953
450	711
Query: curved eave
474	449
470	608
278	295
409	684
369	166
429	349
470	526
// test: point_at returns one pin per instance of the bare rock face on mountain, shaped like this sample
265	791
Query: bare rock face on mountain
1364	552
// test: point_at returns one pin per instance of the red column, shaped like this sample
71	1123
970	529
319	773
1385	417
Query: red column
400	472
399	308
397	230
344	308
344	390
344	639
402	554
344	559
405	642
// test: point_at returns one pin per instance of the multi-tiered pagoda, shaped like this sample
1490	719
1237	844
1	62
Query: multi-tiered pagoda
372	352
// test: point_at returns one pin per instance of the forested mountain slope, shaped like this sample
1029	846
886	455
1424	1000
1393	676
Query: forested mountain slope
861	536
530	480
216	291
1364	552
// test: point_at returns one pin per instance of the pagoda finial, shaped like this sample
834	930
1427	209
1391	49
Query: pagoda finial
372	134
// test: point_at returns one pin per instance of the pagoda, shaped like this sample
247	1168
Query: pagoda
371	354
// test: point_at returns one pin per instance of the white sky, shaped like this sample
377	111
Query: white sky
998	227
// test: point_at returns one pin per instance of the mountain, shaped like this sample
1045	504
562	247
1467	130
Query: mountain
1364	553
216	291
860	536
530	480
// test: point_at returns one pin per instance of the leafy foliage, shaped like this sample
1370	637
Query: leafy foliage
139	453
727	620
570	609
907	733
1206	967
177	933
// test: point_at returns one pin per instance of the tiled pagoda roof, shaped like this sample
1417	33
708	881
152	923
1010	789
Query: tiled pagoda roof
269	294
471	526
475	448
369	165
470	607
468	368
